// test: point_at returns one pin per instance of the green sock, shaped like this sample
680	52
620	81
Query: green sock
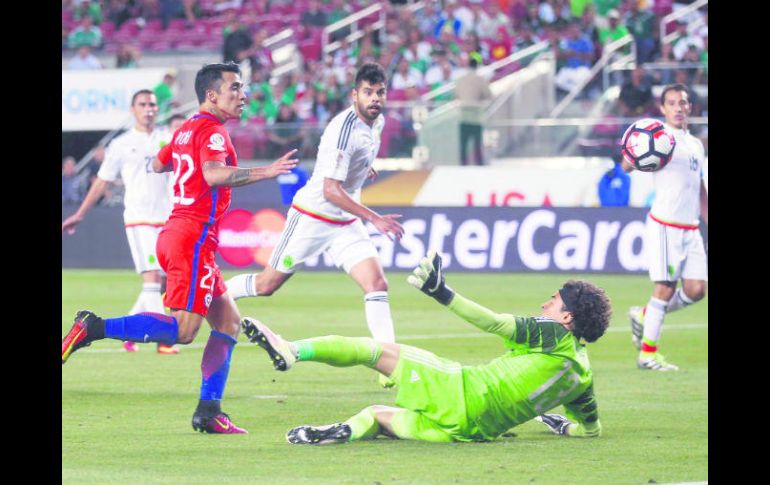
363	425
339	351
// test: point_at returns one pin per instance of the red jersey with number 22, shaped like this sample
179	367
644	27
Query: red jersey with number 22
202	138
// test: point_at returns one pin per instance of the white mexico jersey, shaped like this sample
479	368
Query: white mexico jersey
148	194
677	185
347	150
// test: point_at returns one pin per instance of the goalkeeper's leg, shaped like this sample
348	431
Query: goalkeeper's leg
341	351
333	350
395	422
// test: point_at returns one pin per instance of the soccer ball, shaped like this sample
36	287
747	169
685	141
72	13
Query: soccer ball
647	145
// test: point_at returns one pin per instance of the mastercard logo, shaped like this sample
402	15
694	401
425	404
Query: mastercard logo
246	238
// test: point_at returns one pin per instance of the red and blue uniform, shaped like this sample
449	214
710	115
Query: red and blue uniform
187	244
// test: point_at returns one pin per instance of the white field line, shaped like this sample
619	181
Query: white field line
434	336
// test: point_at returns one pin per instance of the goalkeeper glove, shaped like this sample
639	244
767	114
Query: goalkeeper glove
555	422
429	278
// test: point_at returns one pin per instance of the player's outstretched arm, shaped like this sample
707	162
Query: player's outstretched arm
429	278
217	173
385	224
98	187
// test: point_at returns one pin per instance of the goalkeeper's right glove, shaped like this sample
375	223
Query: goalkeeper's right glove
555	422
429	278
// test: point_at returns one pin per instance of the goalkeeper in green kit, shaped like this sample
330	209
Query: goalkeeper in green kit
440	400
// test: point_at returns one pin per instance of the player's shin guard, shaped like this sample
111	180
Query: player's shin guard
339	351
378	317
363	425
653	321
215	365
143	327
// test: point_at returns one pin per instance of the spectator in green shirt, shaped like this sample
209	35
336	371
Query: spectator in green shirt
640	24
89	9
164	91
85	34
615	31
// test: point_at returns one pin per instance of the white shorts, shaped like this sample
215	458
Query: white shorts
304	237
141	240
674	253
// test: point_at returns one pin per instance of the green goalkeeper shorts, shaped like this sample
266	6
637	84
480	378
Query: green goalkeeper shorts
433	387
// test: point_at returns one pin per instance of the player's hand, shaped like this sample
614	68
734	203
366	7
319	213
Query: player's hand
428	277
388	226
557	423
372	175
282	165
70	223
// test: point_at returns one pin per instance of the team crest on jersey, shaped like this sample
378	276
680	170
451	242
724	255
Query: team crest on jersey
217	142
207	300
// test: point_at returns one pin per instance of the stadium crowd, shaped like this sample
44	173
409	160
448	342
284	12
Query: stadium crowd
420	50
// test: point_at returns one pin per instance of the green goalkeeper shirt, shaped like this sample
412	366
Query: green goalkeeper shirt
546	367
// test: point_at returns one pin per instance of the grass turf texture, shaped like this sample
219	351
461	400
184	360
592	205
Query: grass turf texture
126	417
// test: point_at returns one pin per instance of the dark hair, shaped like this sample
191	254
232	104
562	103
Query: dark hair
370	72
141	91
590	308
210	77
674	87
176	117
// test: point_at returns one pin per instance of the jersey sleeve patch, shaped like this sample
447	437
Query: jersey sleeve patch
217	142
213	145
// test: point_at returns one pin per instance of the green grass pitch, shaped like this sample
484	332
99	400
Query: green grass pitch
126	417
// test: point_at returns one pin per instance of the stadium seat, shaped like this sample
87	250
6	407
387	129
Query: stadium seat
153	25
177	24
391	130
108	29
396	95
310	49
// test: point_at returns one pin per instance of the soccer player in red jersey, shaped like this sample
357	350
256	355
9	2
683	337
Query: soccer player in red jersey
205	168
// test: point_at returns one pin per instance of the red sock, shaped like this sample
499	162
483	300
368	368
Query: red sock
649	348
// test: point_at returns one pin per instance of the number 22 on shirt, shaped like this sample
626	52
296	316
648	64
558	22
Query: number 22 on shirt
182	173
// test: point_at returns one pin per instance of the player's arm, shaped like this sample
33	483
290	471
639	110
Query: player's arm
386	224
428	277
98	187
216	173
581	420
162	162
160	167
704	202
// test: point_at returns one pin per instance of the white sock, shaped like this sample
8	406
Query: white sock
138	305
378	317
678	301
152	299
653	321
242	285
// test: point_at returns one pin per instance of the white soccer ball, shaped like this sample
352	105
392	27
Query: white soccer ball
647	145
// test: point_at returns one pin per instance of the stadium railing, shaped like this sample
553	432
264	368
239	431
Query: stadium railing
678	14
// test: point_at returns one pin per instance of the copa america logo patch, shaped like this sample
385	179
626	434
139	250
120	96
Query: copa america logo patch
217	142
207	300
